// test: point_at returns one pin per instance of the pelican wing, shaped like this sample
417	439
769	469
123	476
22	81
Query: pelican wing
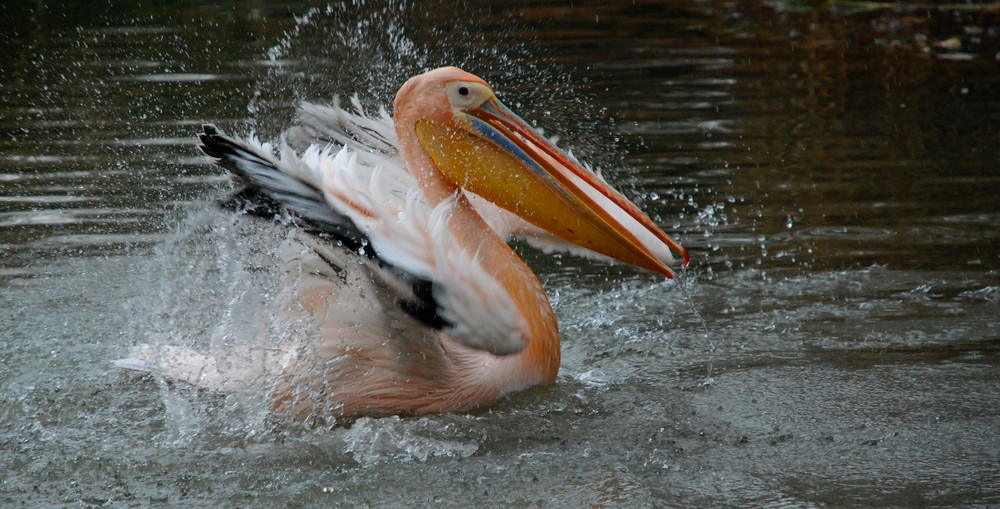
368	202
333	125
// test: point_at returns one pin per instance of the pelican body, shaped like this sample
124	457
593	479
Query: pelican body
400	264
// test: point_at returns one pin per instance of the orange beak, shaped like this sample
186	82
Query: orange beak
492	152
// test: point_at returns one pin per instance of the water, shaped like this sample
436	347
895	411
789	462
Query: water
833	172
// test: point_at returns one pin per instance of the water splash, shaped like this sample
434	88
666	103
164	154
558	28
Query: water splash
683	284
208	288
391	439
371	48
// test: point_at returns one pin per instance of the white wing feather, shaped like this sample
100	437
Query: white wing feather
411	235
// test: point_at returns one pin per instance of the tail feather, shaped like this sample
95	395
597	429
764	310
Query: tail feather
176	363
241	370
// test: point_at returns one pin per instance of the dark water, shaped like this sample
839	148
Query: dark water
835	172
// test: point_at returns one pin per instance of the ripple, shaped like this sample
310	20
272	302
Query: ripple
140	142
845	233
988	294
182	77
984	218
43	159
46	199
53	217
666	63
202	179
134	30
100	239
702	82
691	126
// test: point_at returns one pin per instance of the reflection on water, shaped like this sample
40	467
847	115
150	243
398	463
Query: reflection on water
833	170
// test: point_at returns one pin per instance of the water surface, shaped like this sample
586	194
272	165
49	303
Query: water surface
833	170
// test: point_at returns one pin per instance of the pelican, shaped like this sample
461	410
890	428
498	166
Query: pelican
399	262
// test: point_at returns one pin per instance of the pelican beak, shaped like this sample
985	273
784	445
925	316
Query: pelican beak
492	152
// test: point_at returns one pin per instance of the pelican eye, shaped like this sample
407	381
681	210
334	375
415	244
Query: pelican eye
465	95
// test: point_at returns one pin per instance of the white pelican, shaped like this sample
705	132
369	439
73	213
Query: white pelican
401	266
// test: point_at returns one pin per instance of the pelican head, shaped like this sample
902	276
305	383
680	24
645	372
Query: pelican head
480	145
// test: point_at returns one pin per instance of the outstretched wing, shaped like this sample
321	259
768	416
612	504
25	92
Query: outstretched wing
366	201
